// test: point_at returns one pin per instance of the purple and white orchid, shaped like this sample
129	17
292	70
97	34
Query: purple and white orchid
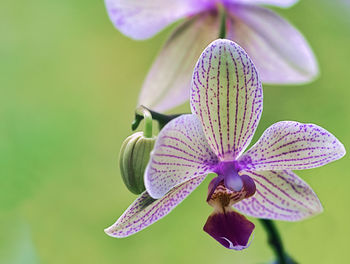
226	102
279	51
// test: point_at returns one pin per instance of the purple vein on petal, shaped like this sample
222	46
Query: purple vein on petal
295	146
218	88
172	162
280	195
145	210
224	65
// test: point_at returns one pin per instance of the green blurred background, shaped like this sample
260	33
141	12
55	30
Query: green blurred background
69	83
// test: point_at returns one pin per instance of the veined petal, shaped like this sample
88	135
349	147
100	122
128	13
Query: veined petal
181	152
226	95
145	210
279	3
279	51
280	195
141	19
168	82
293	146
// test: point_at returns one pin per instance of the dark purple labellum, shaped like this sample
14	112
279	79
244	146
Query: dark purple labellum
230	229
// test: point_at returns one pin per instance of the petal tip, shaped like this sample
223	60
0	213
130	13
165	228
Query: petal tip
115	232
342	150
318	209
110	231
310	76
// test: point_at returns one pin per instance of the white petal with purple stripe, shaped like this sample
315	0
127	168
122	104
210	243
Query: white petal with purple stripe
280	195
294	146
145	210
226	95
181	152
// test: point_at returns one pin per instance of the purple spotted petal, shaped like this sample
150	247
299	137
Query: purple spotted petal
141	19
230	229
280	195
226	95
279	3
168	82
294	146
279	51
145	210
181	152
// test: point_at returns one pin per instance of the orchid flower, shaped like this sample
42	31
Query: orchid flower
279	51
226	102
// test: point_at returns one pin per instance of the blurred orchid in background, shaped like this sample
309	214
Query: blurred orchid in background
279	51
226	101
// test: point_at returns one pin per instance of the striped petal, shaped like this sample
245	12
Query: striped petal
226	95
145	210
279	51
143	19
293	146
279	3
168	82
280	195
181	152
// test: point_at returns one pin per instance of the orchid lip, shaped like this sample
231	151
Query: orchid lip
212	186
230	229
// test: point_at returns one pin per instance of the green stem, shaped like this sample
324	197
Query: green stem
275	242
222	12
147	116
160	118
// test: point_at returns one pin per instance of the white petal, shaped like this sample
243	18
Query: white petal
168	82
181	152
145	210
279	51
293	146
280	195
279	3
141	19
226	95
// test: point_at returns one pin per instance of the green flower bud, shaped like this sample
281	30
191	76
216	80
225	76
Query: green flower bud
133	159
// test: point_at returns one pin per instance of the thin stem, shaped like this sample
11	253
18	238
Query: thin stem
147	116
222	12
160	118
275	242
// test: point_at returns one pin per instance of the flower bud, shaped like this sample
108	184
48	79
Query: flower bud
133	159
